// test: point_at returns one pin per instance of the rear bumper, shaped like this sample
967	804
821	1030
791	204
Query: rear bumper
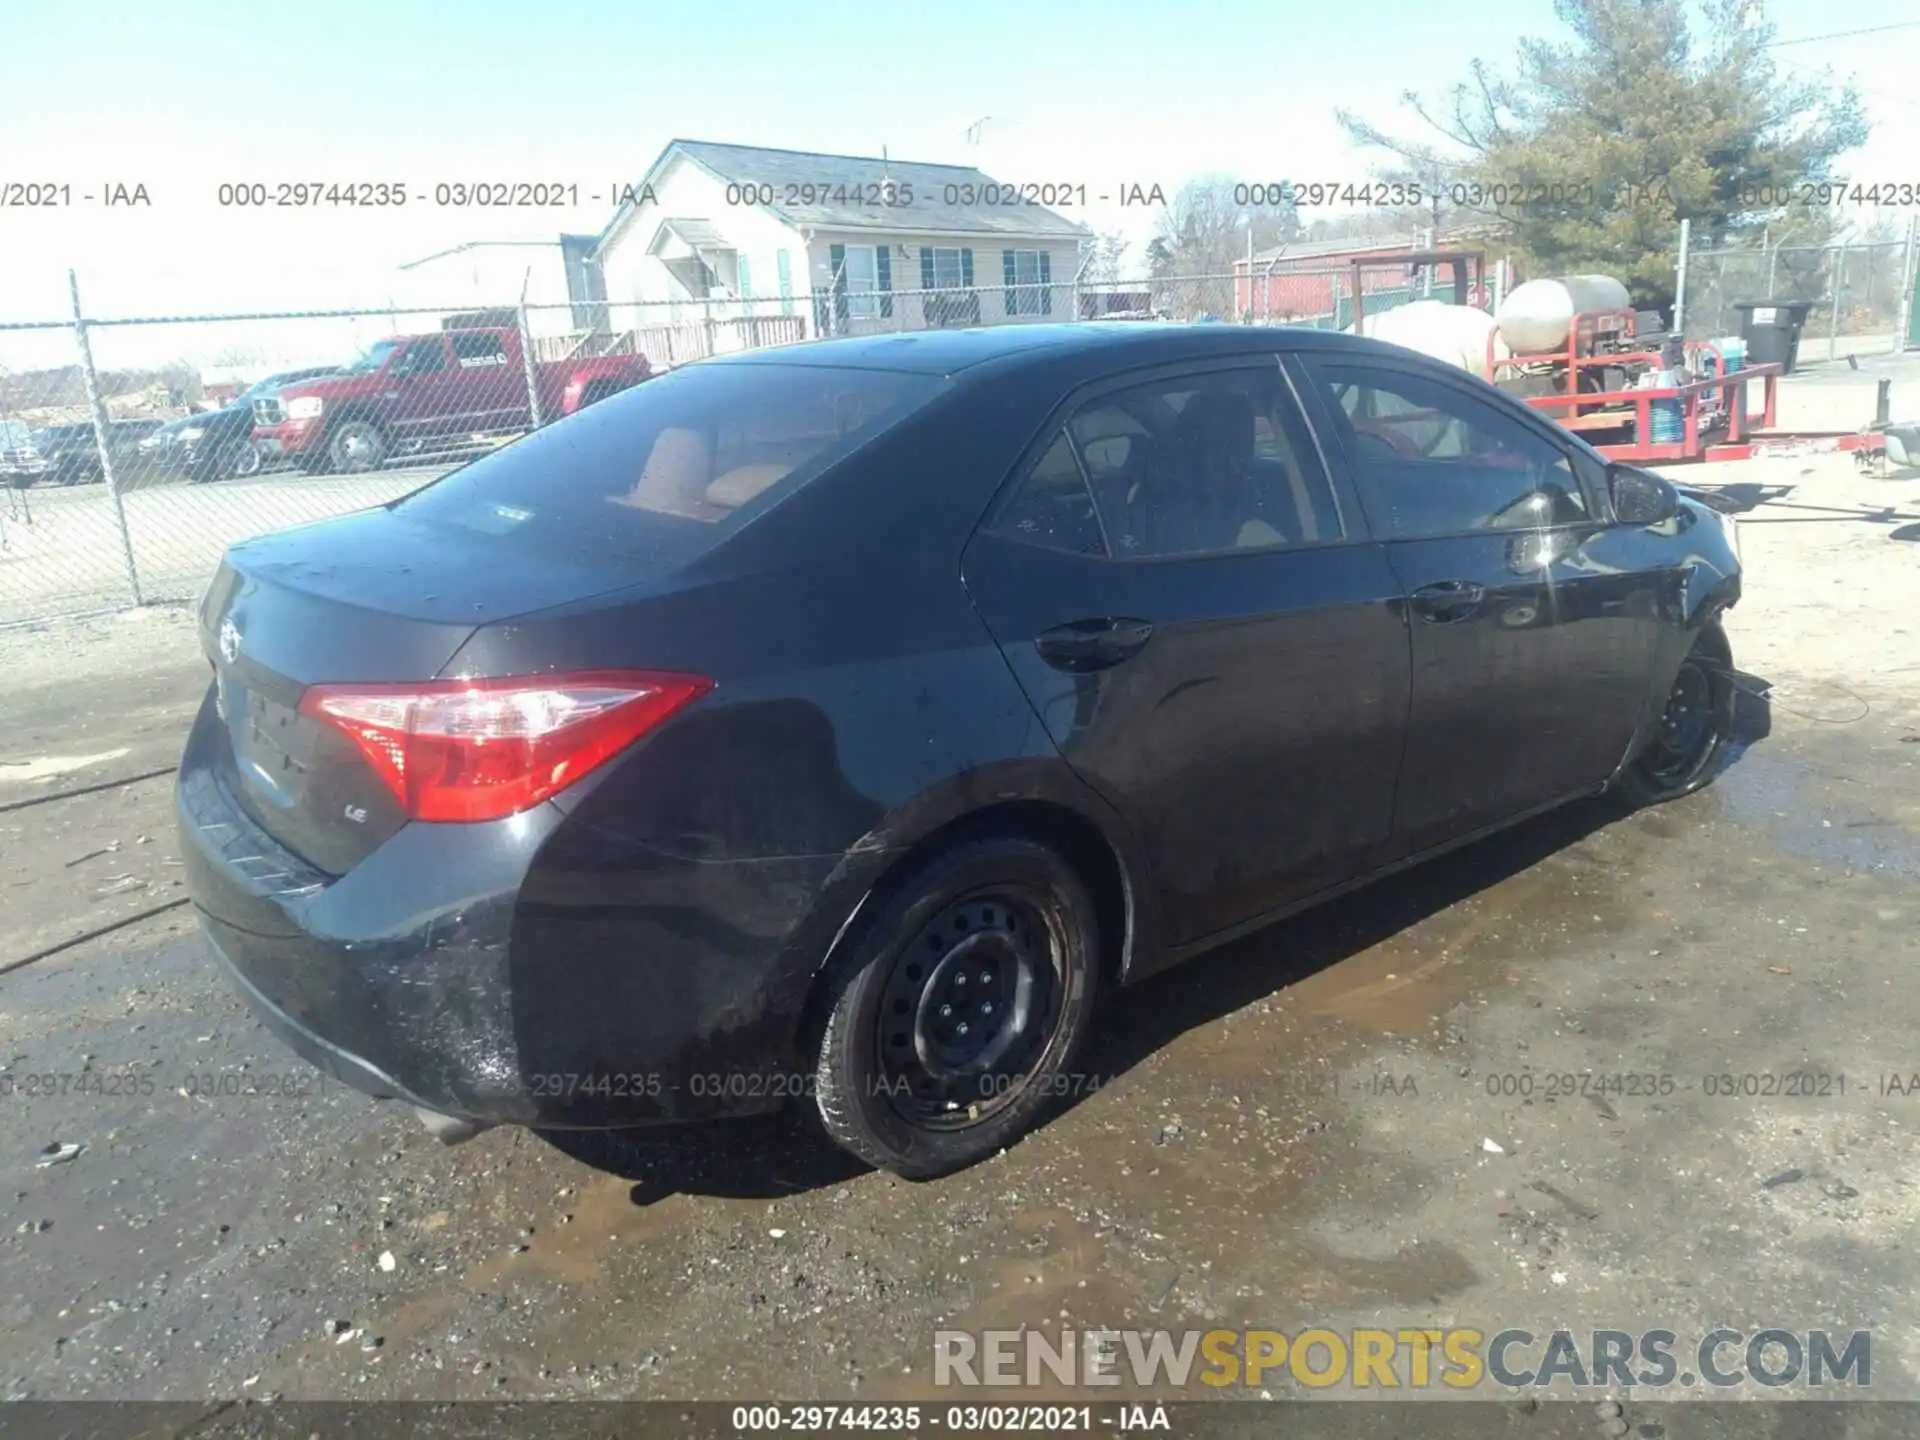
518	972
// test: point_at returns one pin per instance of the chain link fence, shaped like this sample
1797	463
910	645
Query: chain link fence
1861	295
134	451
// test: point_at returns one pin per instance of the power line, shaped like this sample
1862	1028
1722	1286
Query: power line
1844	34
1863	89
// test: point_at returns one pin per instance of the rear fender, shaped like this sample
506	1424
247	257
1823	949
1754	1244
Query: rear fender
1028	795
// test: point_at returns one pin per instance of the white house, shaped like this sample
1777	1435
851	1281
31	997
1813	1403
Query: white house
751	246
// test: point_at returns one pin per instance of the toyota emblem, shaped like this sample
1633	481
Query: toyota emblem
229	641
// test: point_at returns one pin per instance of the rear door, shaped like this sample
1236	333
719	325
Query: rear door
1205	632
1530	640
489	387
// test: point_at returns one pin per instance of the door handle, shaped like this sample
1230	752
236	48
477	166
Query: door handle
1093	644
1446	601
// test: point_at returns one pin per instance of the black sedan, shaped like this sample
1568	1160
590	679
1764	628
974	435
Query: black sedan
218	444
831	723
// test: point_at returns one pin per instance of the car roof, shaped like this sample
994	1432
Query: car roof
1126	343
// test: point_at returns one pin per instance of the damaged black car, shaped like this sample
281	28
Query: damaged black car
830	725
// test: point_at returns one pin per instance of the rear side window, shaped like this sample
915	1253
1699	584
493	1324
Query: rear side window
1052	506
1204	464
473	348
666	469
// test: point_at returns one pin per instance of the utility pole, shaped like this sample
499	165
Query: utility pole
1680	282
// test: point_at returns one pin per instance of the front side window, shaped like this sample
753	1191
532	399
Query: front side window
423	357
1432	460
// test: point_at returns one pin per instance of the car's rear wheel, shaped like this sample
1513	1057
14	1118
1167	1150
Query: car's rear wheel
1695	731
956	1008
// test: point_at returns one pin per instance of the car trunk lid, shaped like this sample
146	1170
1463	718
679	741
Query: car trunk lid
366	599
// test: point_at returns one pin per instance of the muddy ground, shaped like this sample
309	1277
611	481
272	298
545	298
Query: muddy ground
1293	1131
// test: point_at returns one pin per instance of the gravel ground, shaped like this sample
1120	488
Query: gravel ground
1293	1131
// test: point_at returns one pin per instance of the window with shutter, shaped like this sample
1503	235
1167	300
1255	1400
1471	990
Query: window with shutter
837	267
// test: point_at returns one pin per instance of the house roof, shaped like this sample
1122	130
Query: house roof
1332	249
698	234
845	192
1347	249
470	245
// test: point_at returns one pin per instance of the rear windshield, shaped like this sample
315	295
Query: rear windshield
666	469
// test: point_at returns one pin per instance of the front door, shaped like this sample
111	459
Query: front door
1530	642
1205	637
417	390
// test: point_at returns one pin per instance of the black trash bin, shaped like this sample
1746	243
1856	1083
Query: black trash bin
1771	329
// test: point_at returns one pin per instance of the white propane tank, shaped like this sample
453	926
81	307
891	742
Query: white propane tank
1534	316
1457	334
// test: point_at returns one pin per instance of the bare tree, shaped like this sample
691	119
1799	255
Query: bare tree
1210	224
1103	258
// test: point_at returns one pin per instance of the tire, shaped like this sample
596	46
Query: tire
1696	732
356	445
900	1078
239	460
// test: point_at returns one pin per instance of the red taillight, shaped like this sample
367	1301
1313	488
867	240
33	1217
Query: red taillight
483	749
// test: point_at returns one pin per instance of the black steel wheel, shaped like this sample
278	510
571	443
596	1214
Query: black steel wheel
954	1011
1696	727
967	1007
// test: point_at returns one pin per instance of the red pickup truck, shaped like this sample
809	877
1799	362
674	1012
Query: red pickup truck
440	391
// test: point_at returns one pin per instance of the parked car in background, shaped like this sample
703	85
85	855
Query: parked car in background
833	722
74	450
218	444
21	460
419	393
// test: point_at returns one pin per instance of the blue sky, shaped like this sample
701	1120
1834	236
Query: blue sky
187	94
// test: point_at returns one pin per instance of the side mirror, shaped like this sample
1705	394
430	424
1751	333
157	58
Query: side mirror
1641	497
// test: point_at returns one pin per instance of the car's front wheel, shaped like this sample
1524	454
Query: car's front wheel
1696	727
956	1008
240	459
356	445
